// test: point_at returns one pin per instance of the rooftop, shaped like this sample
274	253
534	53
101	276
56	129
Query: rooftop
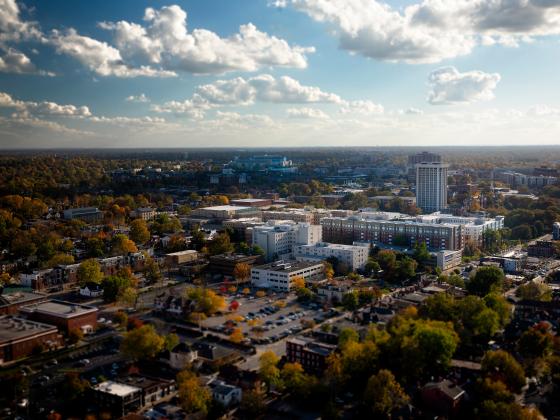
287	266
185	252
226	208
59	308
11	296
14	328
115	388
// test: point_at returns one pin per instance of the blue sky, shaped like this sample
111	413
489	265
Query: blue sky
278	73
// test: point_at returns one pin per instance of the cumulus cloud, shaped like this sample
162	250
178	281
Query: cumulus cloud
42	108
142	98
449	86
307	113
16	62
100	57
432	30
165	41
242	91
12	27
361	108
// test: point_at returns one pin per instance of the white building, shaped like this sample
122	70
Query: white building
431	186
473	227
278	240
354	256
227	395
280	275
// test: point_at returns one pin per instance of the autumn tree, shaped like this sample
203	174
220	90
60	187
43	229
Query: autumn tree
241	272
384	394
142	343
268	369
206	300
89	271
221	244
236	335
486	280
121	245
139	231
193	397
500	365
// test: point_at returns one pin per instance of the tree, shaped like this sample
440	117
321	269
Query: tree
372	266
304	294
383	394
350	301
152	271
206	300
406	268
253	402
95	248
347	335
421	253
221	244
241	272
193	397
455	280
236	335
113	286
121	245
298	282
387	259
536	342
75	335
534	291
121	318
171	341
60	259
486	280
142	343
268	369
89	271
329	271
139	232
500	365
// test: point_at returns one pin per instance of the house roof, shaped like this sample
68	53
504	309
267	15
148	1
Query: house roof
446	387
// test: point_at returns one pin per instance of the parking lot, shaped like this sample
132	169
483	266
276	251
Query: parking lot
264	321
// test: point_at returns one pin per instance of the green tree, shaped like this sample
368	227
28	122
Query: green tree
350	301
221	244
347	335
534	291
536	342
486	280
139	231
142	343
372	266
121	245
113	286
253	402
383	394
152	271
421	253
89	271
171	341
387	259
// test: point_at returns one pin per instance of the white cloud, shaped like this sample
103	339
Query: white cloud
432	30
449	86
42	108
241	91
16	62
142	98
165	41
361	108
100	57
307	113
12	27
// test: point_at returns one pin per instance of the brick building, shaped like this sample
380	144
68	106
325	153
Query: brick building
65	315
311	355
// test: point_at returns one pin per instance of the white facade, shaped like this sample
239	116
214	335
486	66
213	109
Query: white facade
473	227
278	240
280	275
352	255
431	186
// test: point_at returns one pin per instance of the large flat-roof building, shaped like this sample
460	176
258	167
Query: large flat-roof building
120	399
225	212
392	232
11	299
354	256
86	214
278	240
280	275
65	315
252	202
20	337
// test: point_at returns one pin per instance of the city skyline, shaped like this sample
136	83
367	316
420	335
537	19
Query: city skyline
284	73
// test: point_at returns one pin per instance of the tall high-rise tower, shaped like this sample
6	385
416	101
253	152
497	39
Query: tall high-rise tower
431	186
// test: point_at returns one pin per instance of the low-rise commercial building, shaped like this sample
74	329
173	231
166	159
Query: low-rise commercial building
224	264
86	214
354	256
225	212
144	213
119	399
65	315
252	202
13	298
181	257
20	337
280	275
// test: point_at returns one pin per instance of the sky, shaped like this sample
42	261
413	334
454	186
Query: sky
278	73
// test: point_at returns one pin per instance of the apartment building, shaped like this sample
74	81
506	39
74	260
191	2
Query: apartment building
392	232
431	186
354	256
